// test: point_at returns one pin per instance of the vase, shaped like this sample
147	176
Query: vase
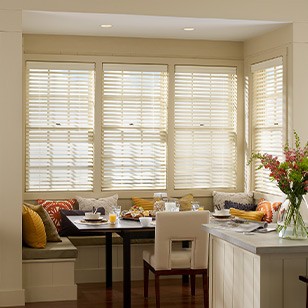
290	223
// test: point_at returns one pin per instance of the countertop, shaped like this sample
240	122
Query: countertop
259	243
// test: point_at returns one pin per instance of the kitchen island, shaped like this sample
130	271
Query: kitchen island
255	270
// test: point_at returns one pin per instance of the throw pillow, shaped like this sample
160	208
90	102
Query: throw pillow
86	204
33	230
50	229
185	202
69	229
53	207
270	210
145	204
239	206
219	198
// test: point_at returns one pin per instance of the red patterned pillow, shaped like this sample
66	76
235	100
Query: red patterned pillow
270	210
53	209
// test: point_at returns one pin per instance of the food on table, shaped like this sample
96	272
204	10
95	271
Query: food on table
135	212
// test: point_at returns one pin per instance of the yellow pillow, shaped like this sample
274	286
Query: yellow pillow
33	230
185	202
146	204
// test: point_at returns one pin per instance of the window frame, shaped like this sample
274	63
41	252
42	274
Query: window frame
171	62
249	135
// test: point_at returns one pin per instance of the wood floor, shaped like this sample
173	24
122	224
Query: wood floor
95	295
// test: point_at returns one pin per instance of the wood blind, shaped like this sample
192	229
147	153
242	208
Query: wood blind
134	126
205	140
267	96
59	126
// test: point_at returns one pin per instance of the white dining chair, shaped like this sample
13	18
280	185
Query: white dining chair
163	260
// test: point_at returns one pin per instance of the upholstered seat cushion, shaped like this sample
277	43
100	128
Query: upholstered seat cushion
179	258
52	250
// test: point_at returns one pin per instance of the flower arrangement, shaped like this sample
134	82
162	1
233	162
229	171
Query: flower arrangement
292	179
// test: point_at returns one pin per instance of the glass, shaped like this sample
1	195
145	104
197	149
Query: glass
112	217
177	206
117	210
195	205
290	223
169	206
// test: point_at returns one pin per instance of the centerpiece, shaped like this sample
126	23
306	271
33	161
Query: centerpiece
292	179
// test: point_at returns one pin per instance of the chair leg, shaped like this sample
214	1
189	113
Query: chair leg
204	278
193	284
157	293
145	280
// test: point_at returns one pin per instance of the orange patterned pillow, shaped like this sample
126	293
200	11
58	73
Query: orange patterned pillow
270	210
53	209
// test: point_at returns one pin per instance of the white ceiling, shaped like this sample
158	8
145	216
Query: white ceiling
35	22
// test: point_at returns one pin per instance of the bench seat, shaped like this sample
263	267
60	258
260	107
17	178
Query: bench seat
49	273
52	250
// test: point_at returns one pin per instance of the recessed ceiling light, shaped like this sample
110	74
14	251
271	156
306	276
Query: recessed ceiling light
106	26
189	29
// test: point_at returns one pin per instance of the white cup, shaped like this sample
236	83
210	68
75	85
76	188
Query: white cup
145	221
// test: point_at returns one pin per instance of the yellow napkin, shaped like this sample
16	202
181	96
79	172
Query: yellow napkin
250	215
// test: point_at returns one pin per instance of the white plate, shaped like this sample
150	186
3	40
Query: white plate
92	219
91	223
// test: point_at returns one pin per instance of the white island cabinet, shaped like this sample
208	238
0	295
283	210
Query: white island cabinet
255	270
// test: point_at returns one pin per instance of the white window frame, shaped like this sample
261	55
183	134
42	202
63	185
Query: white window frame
250	172
171	62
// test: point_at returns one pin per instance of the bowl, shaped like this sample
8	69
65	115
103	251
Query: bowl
222	212
145	221
92	216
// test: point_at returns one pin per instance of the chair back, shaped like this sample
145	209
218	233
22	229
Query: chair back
181	226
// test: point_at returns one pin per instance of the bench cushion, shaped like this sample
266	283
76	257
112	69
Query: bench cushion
52	250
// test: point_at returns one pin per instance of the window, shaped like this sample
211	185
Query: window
59	126
134	126
205	127
267	117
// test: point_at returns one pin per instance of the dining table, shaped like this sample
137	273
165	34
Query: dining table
128	230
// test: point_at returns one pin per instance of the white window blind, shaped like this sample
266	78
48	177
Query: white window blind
134	129
59	126
267	96
205	152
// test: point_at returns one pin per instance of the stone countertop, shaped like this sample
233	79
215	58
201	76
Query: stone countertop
259	243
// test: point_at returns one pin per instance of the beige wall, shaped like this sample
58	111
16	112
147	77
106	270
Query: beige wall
280	10
11	293
112	46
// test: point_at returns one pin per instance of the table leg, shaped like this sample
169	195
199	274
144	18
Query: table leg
109	260
185	278
126	271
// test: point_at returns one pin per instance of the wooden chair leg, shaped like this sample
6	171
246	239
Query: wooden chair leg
193	284
204	278
145	280
157	293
